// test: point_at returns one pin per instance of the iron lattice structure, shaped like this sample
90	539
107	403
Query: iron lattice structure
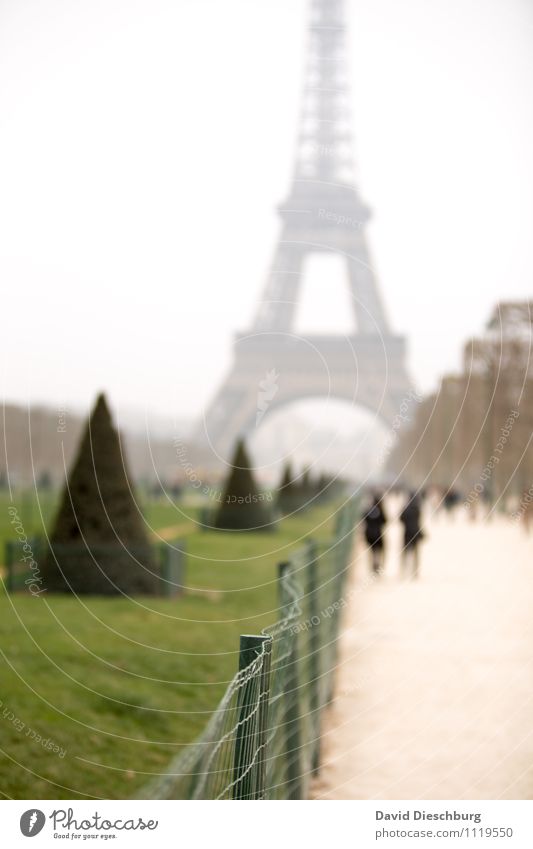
323	213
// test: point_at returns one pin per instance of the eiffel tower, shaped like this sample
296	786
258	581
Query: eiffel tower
324	213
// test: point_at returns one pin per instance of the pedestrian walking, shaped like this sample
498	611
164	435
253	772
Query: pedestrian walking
375	521
413	533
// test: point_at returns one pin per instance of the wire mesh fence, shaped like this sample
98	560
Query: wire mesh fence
263	739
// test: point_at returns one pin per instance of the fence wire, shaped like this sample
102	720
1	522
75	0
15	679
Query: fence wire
263	739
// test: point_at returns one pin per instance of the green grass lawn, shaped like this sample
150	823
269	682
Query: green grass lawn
120	686
34	513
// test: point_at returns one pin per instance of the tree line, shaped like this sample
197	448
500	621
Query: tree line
474	433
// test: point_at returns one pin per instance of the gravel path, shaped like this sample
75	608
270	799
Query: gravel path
435	683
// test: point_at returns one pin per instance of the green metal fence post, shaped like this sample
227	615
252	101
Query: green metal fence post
250	742
172	568
343	549
315	645
262	720
328	635
340	565
292	719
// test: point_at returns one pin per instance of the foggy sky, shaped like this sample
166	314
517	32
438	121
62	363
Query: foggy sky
144	146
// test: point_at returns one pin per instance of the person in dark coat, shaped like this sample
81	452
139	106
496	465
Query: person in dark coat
412	534
375	521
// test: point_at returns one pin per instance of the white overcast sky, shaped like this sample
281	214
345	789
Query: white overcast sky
145	143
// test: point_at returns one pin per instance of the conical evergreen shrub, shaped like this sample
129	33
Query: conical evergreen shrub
307	485
324	488
303	490
330	487
243	507
99	543
289	498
